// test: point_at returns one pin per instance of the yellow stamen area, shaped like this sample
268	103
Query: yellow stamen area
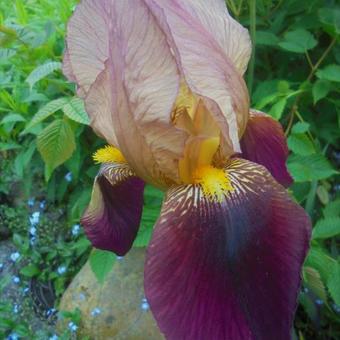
108	154
215	182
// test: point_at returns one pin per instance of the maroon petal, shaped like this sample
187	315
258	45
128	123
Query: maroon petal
229	269
264	142
112	218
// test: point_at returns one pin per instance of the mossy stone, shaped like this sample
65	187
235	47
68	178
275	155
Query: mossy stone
120	312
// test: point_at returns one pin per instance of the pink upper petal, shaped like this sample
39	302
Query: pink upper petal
123	62
231	36
208	70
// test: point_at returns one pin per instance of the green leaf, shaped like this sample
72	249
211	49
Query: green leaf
101	262
300	127
152	206
42	71
321	261
30	270
266	38
321	89
277	109
313	281
310	168
326	228
332	209
330	72
9	146
298	41
75	110
330	18
300	144
47	110
12	118
56	144
334	284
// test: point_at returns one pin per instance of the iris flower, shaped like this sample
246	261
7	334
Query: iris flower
163	84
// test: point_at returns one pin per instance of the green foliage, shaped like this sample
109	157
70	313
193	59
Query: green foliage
294	76
56	144
101	263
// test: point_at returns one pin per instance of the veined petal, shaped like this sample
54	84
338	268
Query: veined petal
231	36
264	142
123	62
112	218
207	69
230	268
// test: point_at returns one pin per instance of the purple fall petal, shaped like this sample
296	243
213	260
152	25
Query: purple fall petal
230	269
264	142
112	219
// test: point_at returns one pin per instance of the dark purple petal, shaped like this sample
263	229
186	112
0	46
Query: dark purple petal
264	142
112	218
231	269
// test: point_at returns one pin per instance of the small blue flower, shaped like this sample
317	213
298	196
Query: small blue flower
1	265
15	309
15	256
42	205
120	257
53	337
145	305
319	302
72	326
75	229
33	240
16	279
30	202
82	296
13	336
50	311
34	219
61	270
26	290
68	177
33	230
96	311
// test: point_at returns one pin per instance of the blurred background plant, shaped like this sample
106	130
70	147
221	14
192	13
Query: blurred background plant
46	169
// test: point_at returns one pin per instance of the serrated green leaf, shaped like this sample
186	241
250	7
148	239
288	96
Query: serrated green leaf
320	89
333	284
101	262
42	71
300	127
321	261
300	144
56	144
277	109
310	168
298	41
313	281
330	72
326	228
75	110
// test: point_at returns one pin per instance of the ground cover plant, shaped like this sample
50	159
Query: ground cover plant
46	146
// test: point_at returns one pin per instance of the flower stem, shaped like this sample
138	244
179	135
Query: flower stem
252	17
